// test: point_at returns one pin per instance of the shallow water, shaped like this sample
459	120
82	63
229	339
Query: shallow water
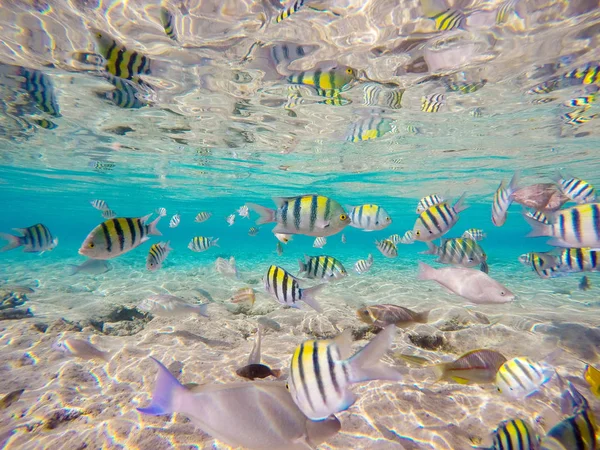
218	123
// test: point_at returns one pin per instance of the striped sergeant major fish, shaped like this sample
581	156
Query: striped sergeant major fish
427	202
538	216
576	227
319	242
375	94
40	88
474	233
45	123
287	291
126	94
587	74
437	220
369	128
109	214
576	189
503	198
518	378
175	221
157	255
514	434
115	237
448	20
505	10
100	205
432	103
464	87
201	243
327	83
577	432
119	61
407	238
202	216
546	87
321	372
253	231
162	212
463	252
584	100
369	217
387	248
34	239
578	260
577	117
324	267
292	9
363	265
167	21
311	215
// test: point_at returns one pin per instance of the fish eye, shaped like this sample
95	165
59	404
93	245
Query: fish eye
430	232
418	233
349	71
287	385
387	219
343	216
91	245
502	293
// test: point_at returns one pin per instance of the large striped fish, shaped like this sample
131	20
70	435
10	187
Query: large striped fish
120	61
520	377
369	217
34	239
577	432
437	220
311	215
459	251
286	289
117	236
322	371
576	189
503	197
327	82
514	434
325	267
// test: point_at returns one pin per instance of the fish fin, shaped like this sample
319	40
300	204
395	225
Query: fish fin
426	272
254	357
307	297
431	249
276	372
152	230
165	394
422	317
266	215
73	269
413	359
556	177
513	185
13	241
201	311
460	380
321	223
166	246
370	258
460	203
302	266
214	242
538	228
484	267
440	371
365	364
344	343
145	218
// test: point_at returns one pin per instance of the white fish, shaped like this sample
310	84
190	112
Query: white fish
171	306
427	202
162	212
285	238
363	265
100	205
202	217
471	284
81	349
320	242
174	222
243	212
230	219
368	217
91	266
109	214
227	268
503	197
387	248
520	377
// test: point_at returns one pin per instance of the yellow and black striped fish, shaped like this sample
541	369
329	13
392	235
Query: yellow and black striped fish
287	12
545	87
518	378
432	103
166	20
450	19
327	83
503	198
506	9
579	260
333	98
374	94
369	217
157	255
115	237
514	434
322	371
286	289
34	239
588	74
584	100
369	128
576	189
387	248
325	267
40	88
119	61
45	123
437	220
577	432
465	87
201	243
363	265
464	252
429	201
538	216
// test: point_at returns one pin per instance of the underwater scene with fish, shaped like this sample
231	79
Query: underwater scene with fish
305	224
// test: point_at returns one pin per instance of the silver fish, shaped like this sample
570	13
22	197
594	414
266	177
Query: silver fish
166	305
230	219
91	266
81	349
175	220
100	205
319	242
363	265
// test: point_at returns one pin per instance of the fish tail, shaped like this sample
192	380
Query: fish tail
302	265
13	241
73	269
513	185
267	215
431	249
422	317
308	297
484	267
214	242
365	364
556	177
440	371
166	393
152	227
426	272
460	203
201	311
538	228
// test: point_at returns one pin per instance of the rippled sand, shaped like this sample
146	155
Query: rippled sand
70	402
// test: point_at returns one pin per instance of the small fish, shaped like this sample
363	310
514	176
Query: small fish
545	87
396	238
588	74
327	83
407	238
387	248
577	190
268	323
592	376
538	216
41	90
369	217
230	219
11	398
459	251
118	236
243	212
520	377
369	128
109	214
91	266
320	242
514	434
157	254
175	220
584	284
383	315
286	289
126	94
201	243
474	233
285	238
311	215
244	296
171	306
363	265
100	205
202	217
321	372
324	267
477	366
226	267
577	432
436	221
294	7
464	87
81	349
254	368
503	197
162	212
279	249
450	19
166	20
119	61
253	231
576	227
34	239
343	239
585	100
432	103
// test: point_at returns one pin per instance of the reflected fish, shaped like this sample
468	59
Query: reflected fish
166	20
577	432
286	289
502	200
40	88
363	265
387	248
201	243
575	227
91	266
11	398
477	366
323	267
459	251
369	217
253	231
320	242
592	376
587	74
126	94
118	236
437	220
202	217
120	61
230	219
343	238
279	249
427	202
383	315
584	284
215	409
157	254
576	189
520	377
244	296
470	284
34	239
369	128
166	305
514	434
374	94
285	238
109	214
100	205
432	103
81	349
327	82
322	371
474	233
311	215
175	220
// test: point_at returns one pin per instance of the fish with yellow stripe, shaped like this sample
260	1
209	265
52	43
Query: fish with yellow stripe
311	215
35	239
578	260
538	216
503	198
437	220
369	128
432	103
463	252
587	74
287	291
520	377
464	87
126	94
584	100
321	372
428	201
118	236
576	189
592	376
326	82
157	255
293	8
167	21
514	434
369	217
40	88
577	432
120	61
324	267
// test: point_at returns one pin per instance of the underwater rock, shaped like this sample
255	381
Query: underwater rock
428	341
40	326
15	314
269	323
61	325
61	416
12	299
454	324
123	328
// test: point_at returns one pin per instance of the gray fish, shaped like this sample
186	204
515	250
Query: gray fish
91	266
171	306
269	323
241	414
81	349
383	315
584	283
